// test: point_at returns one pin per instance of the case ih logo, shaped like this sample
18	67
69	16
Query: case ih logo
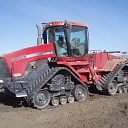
31	55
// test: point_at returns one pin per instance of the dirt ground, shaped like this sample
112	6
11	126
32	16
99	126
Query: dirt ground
98	111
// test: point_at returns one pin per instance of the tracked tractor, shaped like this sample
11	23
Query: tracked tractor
61	69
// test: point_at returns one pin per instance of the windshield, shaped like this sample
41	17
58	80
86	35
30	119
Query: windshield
77	42
56	35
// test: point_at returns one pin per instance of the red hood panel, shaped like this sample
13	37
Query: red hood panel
19	59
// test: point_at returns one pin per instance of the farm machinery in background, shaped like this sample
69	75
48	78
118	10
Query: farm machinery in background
61	69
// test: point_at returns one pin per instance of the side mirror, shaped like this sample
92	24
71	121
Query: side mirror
67	25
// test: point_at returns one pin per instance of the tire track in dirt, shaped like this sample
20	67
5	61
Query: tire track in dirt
98	111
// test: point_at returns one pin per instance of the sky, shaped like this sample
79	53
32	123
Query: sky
107	21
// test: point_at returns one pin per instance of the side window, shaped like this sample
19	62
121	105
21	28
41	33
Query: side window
77	40
50	35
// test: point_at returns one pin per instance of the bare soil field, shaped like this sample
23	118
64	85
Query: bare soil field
98	111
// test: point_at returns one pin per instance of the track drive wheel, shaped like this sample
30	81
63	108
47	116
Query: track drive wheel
41	99
55	101
71	99
112	88
63	100
80	92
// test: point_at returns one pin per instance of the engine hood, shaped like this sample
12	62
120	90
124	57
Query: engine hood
18	60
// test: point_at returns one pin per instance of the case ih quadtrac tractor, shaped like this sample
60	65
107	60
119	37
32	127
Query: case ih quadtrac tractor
61	69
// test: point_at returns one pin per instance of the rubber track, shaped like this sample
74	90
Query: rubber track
110	76
43	80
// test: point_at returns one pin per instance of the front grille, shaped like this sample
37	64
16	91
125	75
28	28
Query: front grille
4	70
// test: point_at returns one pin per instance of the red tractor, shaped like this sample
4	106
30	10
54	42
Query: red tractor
61	69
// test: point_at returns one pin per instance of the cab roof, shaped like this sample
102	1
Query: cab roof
60	23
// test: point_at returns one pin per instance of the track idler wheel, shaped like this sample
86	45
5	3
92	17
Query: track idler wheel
80	92
125	89
63	100
120	90
55	101
41	99
71	99
112	88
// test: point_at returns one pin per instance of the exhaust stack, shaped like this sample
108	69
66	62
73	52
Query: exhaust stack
39	40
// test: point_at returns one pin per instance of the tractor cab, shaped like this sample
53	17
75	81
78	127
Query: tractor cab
70	38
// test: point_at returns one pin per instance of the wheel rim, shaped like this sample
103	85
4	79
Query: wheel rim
80	92
63	100
71	99
55	101
58	80
42	99
112	88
